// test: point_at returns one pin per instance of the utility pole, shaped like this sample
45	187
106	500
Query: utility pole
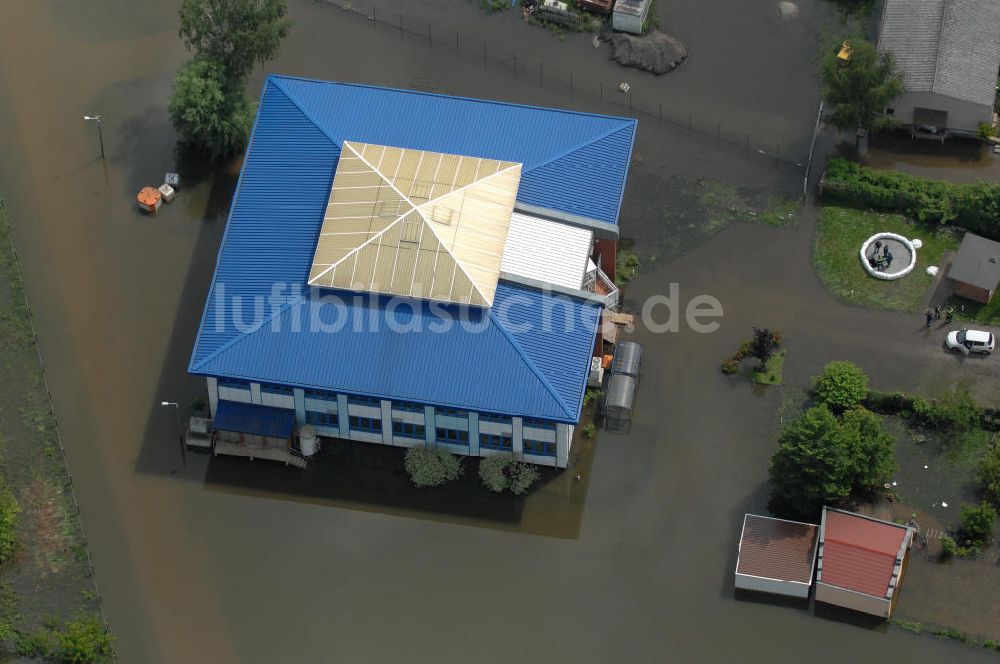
100	132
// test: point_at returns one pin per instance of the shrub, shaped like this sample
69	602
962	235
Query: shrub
989	472
985	131
503	472
40	644
841	386
589	430
84	640
955	411
592	395
977	523
9	510
763	344
431	467
730	365
626	266
948	547
975	207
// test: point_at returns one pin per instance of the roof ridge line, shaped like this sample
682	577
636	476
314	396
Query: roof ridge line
862	547
531	365
243	335
424	93
576	148
295	102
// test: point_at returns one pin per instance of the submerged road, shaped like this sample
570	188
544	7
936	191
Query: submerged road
198	572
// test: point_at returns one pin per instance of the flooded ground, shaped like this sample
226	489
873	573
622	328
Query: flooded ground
197	564
956	160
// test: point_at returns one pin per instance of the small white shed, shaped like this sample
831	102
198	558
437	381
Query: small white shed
776	556
630	15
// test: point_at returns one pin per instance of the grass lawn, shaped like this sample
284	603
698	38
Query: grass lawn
771	374
839	236
987	314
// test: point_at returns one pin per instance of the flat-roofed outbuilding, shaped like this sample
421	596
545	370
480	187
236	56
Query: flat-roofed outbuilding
776	556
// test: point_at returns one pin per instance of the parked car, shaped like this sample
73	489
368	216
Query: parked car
970	341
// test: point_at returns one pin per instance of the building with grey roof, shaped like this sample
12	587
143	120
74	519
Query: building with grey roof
975	273
948	52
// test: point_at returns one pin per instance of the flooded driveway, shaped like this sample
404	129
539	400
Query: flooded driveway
200	571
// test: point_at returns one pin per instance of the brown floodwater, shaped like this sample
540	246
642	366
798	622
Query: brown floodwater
197	565
956	160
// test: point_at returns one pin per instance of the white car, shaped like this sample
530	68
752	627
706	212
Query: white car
971	341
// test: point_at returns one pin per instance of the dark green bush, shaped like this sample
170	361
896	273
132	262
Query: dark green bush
948	547
502	472
431	467
40	644
975	207
954	411
84	640
841	386
977	523
9	510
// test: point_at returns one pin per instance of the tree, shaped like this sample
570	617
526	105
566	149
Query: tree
842	385
764	344
822	459
237	34
874	454
812	465
432	467
857	91
977	523
208	111
989	472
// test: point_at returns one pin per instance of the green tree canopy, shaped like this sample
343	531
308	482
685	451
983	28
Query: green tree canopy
208	110
842	385
858	91
235	33
821	459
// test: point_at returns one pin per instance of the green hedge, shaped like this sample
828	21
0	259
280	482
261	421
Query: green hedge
975	207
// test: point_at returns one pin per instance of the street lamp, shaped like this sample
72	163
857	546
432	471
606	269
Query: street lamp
180	435
100	133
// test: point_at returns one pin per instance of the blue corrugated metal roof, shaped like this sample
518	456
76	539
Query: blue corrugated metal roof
253	419
573	162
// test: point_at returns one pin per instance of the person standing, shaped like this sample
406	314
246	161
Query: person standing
937	312
929	315
949	314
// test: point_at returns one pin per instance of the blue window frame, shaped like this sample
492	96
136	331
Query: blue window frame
407	407
495	441
322	419
364	401
538	424
273	388
498	419
321	395
539	447
234	383
452	436
452	412
366	424
409	430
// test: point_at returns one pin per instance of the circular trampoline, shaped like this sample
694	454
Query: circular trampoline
888	256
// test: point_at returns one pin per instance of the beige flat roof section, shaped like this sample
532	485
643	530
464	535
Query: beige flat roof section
416	223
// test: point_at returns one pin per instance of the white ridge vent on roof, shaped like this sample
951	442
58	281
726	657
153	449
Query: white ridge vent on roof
416	223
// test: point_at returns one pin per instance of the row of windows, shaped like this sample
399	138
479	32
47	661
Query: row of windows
321	395
272	388
544	448
366	424
452	412
498	419
322	419
493	441
364	401
407	407
538	424
234	383
453	436
409	430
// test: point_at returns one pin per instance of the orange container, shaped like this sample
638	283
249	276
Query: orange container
606	363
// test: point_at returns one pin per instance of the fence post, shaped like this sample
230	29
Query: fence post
374	20
748	144
457	51
777	155
630	101
659	118
400	26
718	134
541	74
484	56
515	66
430	40
602	92
689	124
571	85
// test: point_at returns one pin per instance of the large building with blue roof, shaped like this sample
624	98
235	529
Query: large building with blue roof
411	269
